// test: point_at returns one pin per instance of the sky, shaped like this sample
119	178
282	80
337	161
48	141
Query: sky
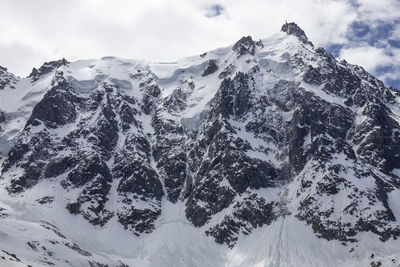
363	32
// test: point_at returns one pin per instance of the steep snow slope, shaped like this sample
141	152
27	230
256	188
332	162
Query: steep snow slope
267	153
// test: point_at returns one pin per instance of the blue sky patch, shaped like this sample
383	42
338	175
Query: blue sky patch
378	34
215	11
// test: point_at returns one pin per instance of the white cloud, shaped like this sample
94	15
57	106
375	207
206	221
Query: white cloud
379	10
369	57
396	33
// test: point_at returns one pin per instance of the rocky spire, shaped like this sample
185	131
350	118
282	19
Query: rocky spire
292	28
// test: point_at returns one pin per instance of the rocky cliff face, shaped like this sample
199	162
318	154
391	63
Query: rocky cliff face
7	79
240	139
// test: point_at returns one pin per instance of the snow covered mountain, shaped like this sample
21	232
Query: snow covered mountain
263	153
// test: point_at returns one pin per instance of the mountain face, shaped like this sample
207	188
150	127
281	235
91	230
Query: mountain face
264	153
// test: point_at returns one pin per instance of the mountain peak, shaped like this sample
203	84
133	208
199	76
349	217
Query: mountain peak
245	45
3	69
291	28
46	68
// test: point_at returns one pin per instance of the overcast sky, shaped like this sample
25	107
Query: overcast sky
364	32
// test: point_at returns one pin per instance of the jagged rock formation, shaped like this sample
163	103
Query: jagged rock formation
232	143
7	79
46	68
292	28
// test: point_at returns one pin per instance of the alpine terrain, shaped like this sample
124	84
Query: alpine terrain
265	153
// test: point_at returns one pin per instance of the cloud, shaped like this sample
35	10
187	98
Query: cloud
372	10
369	57
16	52
166	30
